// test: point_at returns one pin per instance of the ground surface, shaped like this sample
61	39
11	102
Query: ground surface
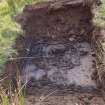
73	99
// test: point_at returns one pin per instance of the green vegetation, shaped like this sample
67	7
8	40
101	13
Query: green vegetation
8	26
8	31
100	20
100	15
8	97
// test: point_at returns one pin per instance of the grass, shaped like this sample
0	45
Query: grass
100	15
8	97
8	33
100	21
11	99
9	29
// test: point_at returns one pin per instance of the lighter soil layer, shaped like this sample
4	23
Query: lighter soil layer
61	63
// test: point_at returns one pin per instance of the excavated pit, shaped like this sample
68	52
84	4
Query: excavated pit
55	50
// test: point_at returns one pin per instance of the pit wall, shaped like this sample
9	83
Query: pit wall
38	21
97	41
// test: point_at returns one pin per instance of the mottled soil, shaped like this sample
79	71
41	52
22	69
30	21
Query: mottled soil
61	62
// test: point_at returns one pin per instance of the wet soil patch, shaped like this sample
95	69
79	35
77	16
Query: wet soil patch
61	64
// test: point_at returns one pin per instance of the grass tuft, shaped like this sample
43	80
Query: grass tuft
8	97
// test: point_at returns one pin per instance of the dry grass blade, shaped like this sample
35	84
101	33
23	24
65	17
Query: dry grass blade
8	97
42	98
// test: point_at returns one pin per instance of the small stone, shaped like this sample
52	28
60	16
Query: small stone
71	39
